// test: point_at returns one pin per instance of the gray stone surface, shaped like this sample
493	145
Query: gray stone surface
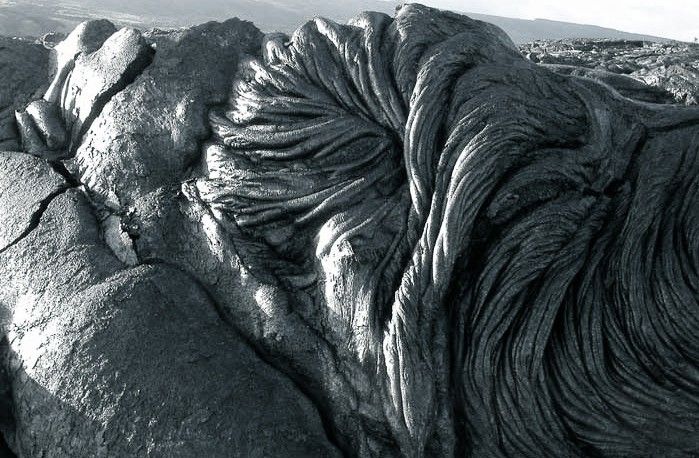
49	126
83	381
24	72
148	136
46	120
29	135
27	184
86	38
110	361
98	76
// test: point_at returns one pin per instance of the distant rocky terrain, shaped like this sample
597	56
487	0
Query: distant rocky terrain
671	66
400	237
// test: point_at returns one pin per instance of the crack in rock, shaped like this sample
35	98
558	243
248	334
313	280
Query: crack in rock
35	218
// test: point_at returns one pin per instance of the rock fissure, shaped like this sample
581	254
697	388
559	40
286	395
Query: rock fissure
35	218
127	77
60	168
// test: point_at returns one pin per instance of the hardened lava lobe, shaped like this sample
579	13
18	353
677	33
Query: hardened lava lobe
506	252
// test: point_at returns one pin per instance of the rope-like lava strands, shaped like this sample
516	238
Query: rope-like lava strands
513	253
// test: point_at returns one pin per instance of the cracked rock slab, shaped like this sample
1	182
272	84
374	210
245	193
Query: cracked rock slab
98	76
26	182
148	135
105	360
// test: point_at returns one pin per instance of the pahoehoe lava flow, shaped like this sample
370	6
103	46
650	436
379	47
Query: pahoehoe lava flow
448	249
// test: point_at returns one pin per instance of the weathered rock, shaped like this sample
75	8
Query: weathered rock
86	38
46	119
119	240
626	85
105	399
27	185
43	125
31	139
98	76
107	361
467	231
140	147
24	72
681	79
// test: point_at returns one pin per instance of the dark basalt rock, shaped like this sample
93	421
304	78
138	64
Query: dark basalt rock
624	84
664	67
395	237
145	139
88	373
133	362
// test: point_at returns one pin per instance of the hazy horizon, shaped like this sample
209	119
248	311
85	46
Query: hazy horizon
35	17
675	19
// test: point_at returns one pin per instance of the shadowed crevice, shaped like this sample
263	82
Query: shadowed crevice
61	169
6	409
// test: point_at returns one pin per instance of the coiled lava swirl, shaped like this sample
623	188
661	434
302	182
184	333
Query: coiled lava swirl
506	258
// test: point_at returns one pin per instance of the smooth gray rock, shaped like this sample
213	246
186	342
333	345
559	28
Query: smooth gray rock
46	119
41	126
31	139
47	125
